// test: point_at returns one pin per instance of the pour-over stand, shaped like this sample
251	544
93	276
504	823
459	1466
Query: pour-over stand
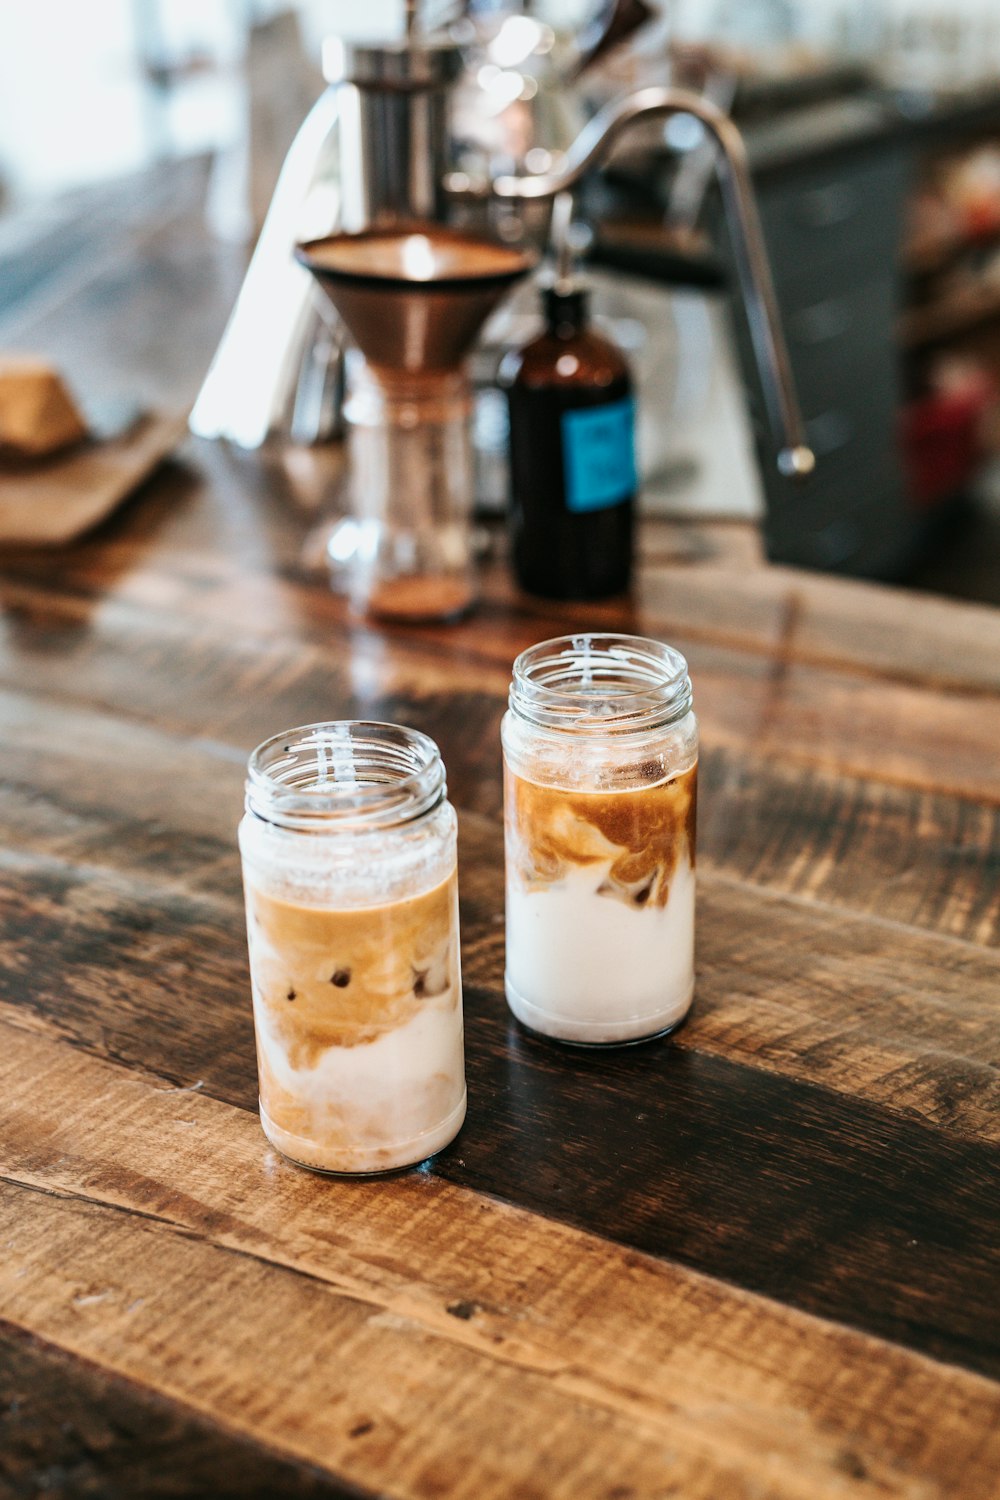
413	298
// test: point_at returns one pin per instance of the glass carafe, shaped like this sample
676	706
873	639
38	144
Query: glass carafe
405	550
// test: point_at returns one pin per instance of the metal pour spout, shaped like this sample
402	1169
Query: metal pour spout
795	458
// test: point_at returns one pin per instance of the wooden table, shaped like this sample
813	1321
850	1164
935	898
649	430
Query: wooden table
758	1261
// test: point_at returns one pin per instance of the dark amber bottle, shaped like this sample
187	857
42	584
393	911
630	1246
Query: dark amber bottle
572	453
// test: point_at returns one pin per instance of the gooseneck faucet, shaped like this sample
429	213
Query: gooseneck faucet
374	149
795	457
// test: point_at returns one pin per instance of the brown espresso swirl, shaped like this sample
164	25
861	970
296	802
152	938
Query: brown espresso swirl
343	978
643	832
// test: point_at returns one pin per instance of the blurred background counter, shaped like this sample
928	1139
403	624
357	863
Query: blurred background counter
874	137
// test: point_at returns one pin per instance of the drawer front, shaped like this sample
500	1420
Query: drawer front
864	460
841	343
832	223
851	512
826	520
848	403
842	348
828	322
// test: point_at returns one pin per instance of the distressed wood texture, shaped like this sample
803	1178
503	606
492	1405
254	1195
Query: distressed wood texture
294	636
169	1223
783	1063
760	1260
70	1427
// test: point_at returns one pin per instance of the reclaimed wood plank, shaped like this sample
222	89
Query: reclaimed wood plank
909	855
790	614
174	823
831	622
857	1005
322	1375
69	1427
833	719
823	1200
841	1099
895	852
116	1208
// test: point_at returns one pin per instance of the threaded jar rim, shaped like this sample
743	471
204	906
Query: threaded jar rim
600	683
345	775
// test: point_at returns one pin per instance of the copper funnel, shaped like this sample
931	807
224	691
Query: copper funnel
414	296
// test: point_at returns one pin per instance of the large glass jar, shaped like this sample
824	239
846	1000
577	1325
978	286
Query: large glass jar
600	772
349	869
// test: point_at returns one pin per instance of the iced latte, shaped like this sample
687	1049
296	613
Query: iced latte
352	922
600	750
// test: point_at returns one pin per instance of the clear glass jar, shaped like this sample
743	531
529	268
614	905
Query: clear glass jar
600	775
405	550
349	869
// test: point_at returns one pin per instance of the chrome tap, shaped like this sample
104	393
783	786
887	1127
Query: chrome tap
795	457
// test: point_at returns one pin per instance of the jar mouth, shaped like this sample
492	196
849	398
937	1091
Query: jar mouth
600	683
346	774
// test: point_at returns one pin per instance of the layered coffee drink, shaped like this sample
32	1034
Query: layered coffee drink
600	752
352	920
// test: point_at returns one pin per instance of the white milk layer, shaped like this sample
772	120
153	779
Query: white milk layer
590	968
397	1099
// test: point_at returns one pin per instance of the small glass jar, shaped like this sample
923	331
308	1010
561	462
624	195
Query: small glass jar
349	869
600	774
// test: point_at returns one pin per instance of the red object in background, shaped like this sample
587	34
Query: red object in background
942	437
982	220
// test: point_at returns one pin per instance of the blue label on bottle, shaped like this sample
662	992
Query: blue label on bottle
599	455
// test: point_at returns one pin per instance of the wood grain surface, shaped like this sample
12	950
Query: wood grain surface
71	1427
169	1218
760	1260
